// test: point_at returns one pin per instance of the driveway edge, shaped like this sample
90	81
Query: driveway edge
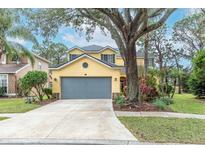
65	142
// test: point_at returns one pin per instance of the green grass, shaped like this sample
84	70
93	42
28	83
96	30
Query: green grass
16	105
166	130
3	118
186	103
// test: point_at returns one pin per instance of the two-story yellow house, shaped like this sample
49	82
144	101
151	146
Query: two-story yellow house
91	72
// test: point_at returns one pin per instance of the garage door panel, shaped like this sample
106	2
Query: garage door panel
86	88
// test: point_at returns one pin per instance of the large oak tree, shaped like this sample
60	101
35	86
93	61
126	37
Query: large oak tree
125	25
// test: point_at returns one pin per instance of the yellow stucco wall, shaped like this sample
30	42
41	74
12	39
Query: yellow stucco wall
119	61
94	69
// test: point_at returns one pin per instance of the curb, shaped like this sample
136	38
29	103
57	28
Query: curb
65	142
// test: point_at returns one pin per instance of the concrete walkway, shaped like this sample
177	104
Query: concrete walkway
159	114
66	120
10	115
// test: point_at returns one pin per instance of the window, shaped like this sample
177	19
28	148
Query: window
3	59
85	65
39	66
151	62
73	56
4	83
108	58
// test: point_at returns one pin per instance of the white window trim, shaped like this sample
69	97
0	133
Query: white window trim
4	59
39	66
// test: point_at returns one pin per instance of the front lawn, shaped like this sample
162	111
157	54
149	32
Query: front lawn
186	103
166	130
15	105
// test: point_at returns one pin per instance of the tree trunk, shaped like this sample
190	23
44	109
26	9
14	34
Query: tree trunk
132	75
179	77
146	60
179	85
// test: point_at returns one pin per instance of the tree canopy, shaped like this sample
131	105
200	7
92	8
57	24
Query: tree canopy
125	25
10	27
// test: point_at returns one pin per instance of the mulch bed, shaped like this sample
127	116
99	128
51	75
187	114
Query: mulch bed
45	102
137	108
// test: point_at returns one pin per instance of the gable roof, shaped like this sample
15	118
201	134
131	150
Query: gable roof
97	49
12	68
41	58
92	49
82	56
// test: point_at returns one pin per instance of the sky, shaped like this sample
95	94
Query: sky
69	37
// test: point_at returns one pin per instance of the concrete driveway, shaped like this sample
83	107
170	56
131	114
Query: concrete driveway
66	120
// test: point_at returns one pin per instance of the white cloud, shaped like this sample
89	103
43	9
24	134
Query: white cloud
17	40
98	39
193	11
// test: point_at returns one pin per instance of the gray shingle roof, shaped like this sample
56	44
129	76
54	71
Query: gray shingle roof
95	48
92	48
10	68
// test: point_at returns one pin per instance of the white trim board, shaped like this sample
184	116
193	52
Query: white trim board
82	56
104	48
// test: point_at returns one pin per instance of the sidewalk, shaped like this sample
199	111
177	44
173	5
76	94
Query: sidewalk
159	114
10	115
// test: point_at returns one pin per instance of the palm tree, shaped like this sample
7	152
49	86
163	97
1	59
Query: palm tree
10	27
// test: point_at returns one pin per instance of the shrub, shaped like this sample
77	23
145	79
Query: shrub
166	89
33	83
120	100
167	100
197	78
48	92
160	104
147	88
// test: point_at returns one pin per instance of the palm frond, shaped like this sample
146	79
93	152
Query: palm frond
22	33
20	50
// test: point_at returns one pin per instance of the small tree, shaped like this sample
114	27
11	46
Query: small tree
197	78
33	83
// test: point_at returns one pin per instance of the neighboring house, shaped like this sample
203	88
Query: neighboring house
92	72
12	69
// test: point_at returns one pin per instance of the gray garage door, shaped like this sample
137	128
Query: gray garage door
85	88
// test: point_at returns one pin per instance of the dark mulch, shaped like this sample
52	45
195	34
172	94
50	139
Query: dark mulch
48	101
137	108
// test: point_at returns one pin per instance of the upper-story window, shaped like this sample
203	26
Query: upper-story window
39	66
151	62
108	58
3	59
73	56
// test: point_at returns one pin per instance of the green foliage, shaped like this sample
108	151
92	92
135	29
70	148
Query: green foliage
54	52
184	81
167	100
166	89
48	92
197	79
120	100
33	83
163	102
2	92
190	32
11	27
160	104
